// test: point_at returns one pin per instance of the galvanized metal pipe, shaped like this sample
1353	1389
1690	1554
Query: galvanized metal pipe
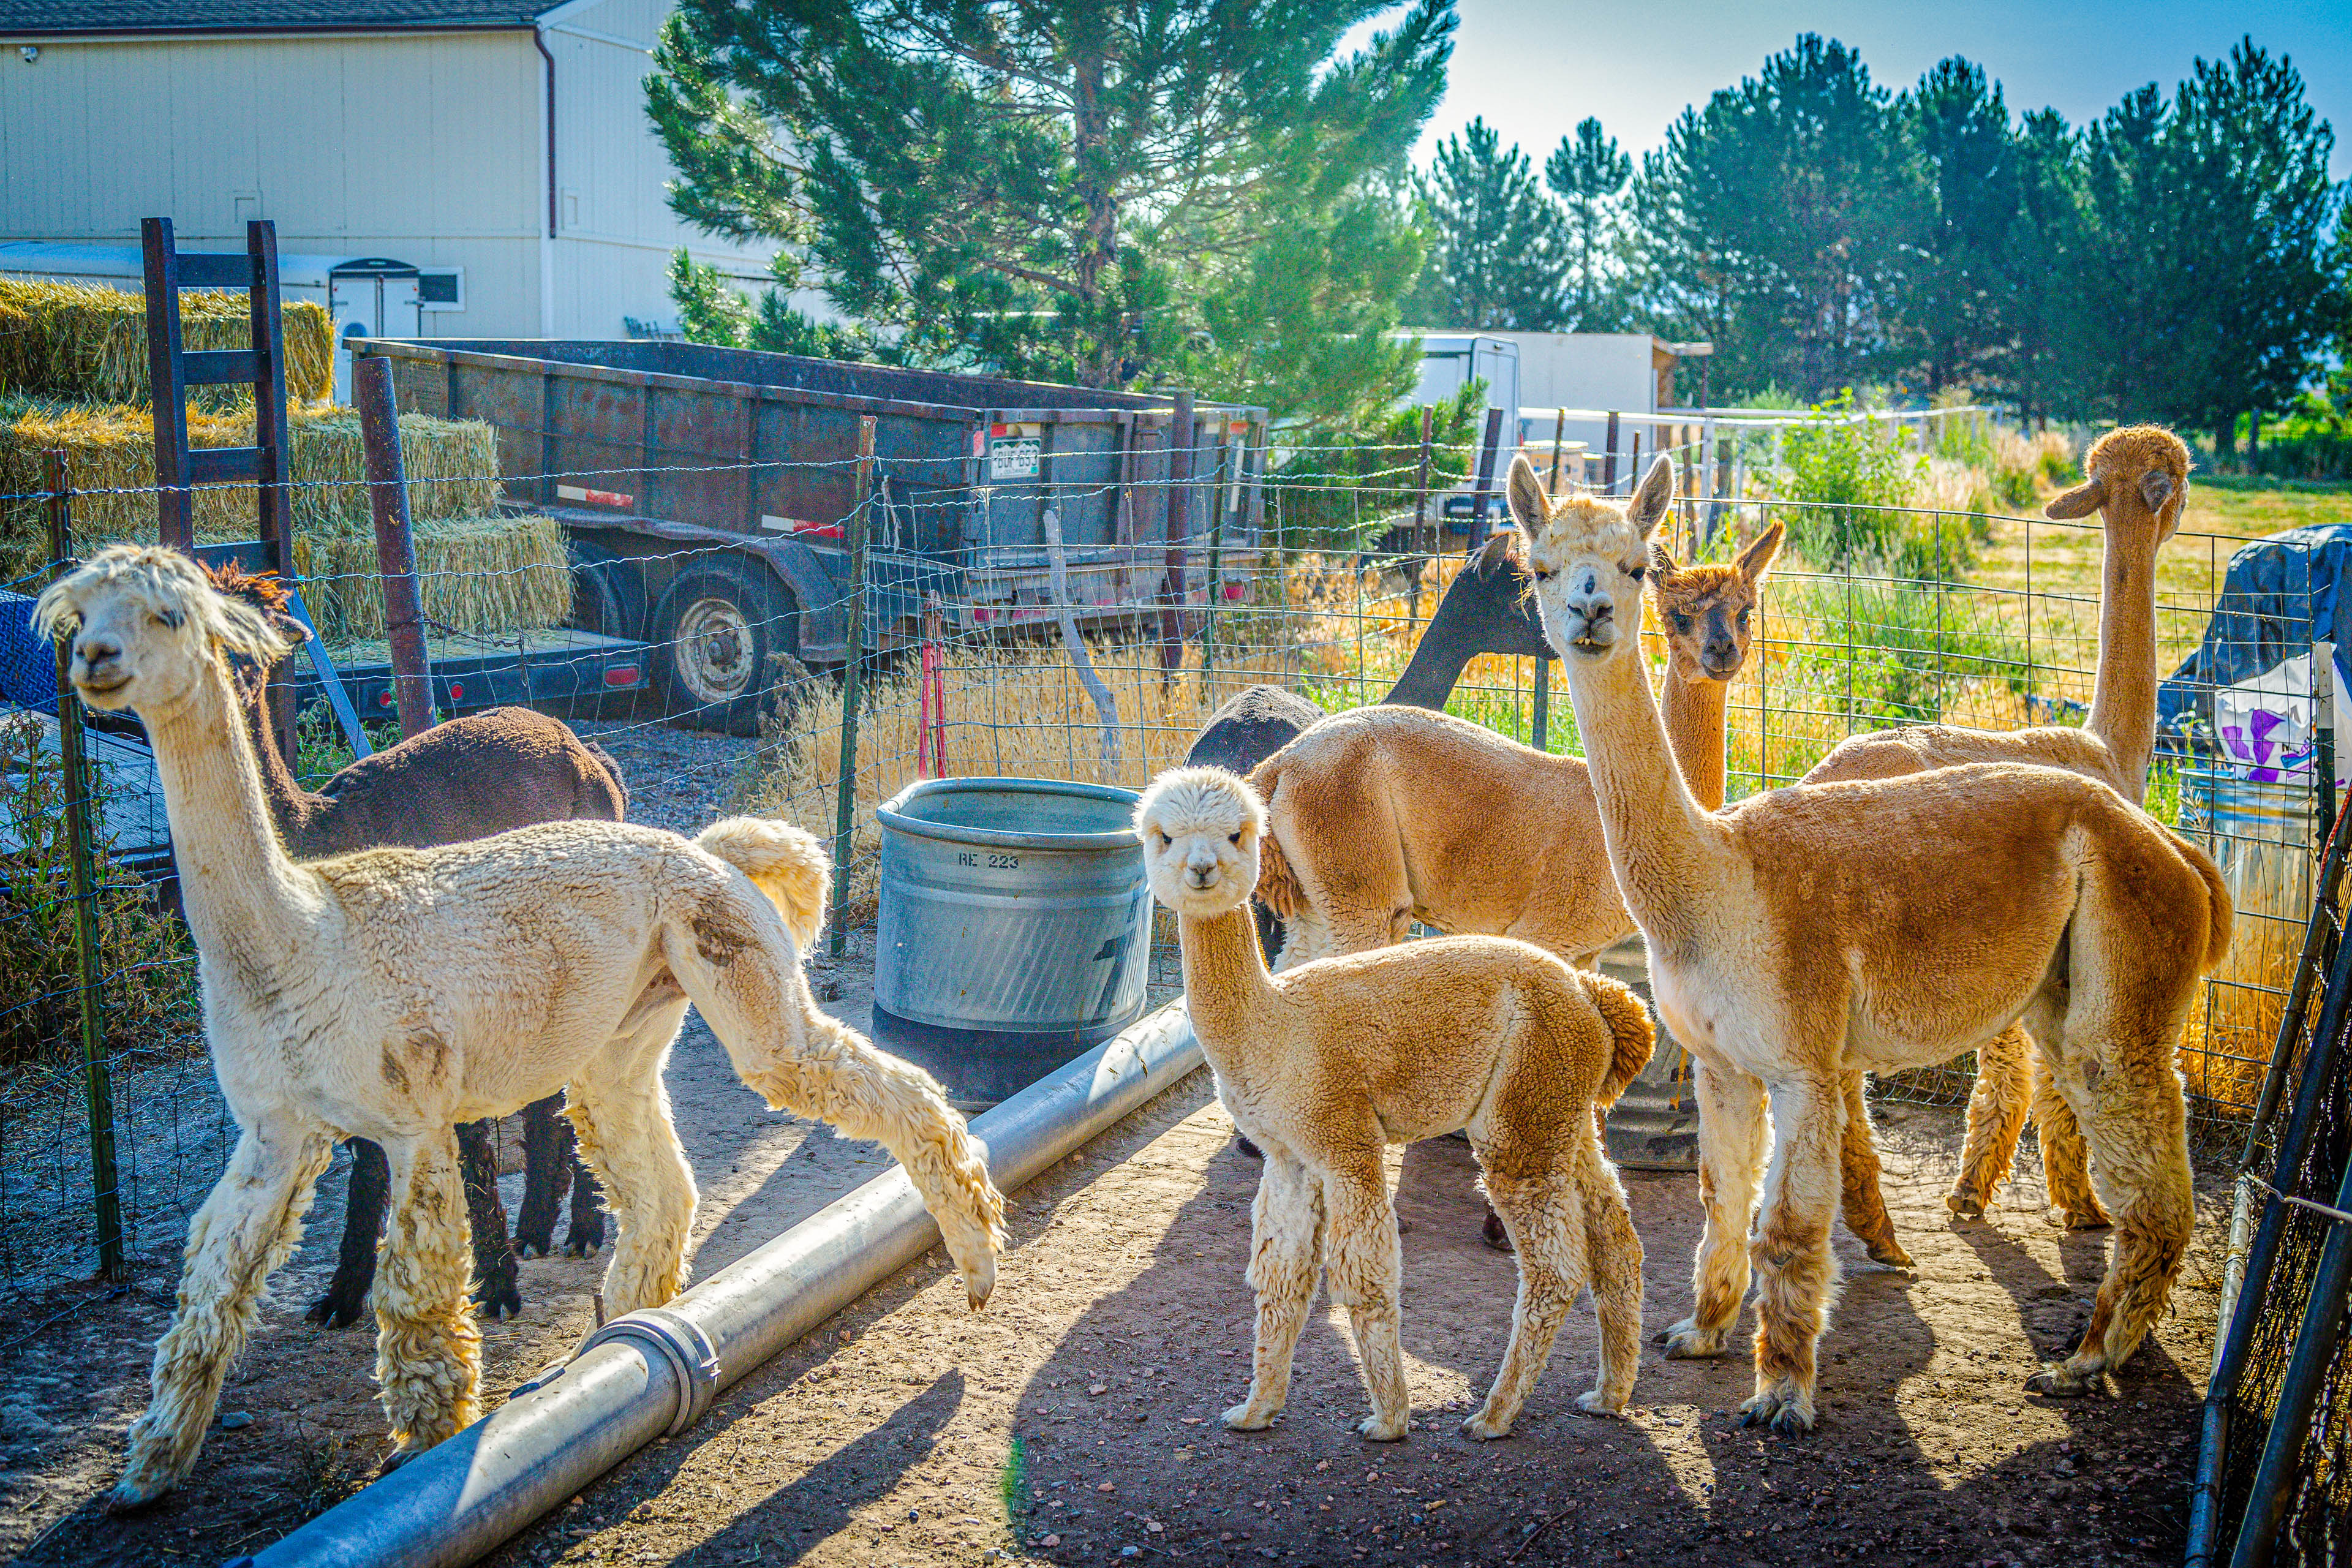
649	1374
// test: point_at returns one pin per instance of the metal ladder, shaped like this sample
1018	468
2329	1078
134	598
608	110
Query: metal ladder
172	369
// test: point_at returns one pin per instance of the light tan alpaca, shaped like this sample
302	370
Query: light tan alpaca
2138	480
1382	817
393	993
1325	1065
1805	933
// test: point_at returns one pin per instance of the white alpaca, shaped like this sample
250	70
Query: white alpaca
1326	1064
395	993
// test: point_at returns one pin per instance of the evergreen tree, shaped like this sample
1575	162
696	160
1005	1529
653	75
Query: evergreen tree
1775	220
2041	365
1499	250
1062	188
1589	174
1953	305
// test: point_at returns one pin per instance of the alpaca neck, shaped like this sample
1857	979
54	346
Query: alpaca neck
1693	708
233	874
291	807
2123	693
1437	663
1662	844
1226	986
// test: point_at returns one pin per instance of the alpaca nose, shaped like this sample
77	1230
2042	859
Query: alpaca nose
100	655
1199	874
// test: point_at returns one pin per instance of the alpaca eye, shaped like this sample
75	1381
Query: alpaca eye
171	618
1743	617
1542	574
1237	840
1165	841
1637	574
1682	621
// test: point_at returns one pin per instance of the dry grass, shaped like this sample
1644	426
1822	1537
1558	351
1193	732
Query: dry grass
82	344
111	454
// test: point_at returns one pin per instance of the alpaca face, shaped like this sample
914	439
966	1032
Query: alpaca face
2137	478
1589	557
147	626
1709	612
1199	829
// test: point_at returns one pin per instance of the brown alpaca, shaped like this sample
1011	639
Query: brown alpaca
2138	478
467	778
1804	934
1371	826
1327	1064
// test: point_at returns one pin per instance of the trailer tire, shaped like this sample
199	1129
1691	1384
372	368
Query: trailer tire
607	597
714	632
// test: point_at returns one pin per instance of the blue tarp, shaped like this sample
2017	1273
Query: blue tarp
29	661
2280	596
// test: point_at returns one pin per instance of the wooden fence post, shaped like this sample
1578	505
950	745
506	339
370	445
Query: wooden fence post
395	543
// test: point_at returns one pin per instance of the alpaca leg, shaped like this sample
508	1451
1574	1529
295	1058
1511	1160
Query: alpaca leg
1286	1250
585	1235
1858	1170
1731	1135
428	1353
1997	1107
247	1228
546	1168
2065	1159
625	1130
1796	1272
363	1207
494	1260
1365	1263
1614	1252
738	965
1546	1229
2139	1136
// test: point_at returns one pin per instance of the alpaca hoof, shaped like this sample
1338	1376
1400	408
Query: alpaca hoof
1966	1205
335	1310
497	1302
396	1459
979	1280
2067	1217
127	1496
2062	1380
1597	1402
1484	1428
1687	1342
1787	1413
1494	1234
1373	1429
535	1246
1890	1253
586	1237
1249	1418
1249	1151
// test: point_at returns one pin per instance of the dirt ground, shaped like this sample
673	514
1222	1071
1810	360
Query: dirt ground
1076	1419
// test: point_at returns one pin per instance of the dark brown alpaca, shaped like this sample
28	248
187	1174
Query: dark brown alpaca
470	777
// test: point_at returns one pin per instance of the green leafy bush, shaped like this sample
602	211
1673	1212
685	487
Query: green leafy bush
1912	646
1846	473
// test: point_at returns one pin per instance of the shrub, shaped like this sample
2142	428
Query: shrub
1913	649
1846	473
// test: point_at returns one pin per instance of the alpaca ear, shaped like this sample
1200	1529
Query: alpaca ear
1494	554
2081	501
2156	489
1651	499
1662	570
1756	559
1529	510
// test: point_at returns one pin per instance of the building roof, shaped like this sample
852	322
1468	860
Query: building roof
31	18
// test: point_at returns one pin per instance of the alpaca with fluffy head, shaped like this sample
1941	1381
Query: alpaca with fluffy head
396	993
1811	932
1327	1064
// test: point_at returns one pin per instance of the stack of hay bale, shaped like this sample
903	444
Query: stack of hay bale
73	377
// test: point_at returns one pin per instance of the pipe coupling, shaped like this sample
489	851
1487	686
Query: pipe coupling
681	1342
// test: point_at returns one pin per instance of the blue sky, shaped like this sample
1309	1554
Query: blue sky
1535	68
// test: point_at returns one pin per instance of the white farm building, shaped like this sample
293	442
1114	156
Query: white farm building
501	147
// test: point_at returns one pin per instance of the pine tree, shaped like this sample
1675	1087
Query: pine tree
1061	189
1499	248
1589	174
1953	309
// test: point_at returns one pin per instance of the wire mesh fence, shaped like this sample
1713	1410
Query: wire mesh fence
1102	662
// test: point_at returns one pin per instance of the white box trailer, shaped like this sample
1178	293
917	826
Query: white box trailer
367	296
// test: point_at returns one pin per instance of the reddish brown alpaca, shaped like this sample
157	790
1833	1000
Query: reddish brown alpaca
468	778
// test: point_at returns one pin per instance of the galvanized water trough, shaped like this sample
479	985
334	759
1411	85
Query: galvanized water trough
1015	929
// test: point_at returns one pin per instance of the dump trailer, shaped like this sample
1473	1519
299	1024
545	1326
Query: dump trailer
705	492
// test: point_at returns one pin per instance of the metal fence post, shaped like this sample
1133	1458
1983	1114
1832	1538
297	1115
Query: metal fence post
1182	439
1414	544
852	670
395	543
97	1088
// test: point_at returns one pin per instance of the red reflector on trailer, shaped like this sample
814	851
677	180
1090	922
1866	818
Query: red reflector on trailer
456	692
624	676
384	700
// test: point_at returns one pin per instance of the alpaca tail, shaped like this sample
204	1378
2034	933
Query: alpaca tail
2222	909
1278	883
844	1078
784	862
1630	1028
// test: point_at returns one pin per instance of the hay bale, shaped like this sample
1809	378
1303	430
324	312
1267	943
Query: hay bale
491	576
84	345
452	467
